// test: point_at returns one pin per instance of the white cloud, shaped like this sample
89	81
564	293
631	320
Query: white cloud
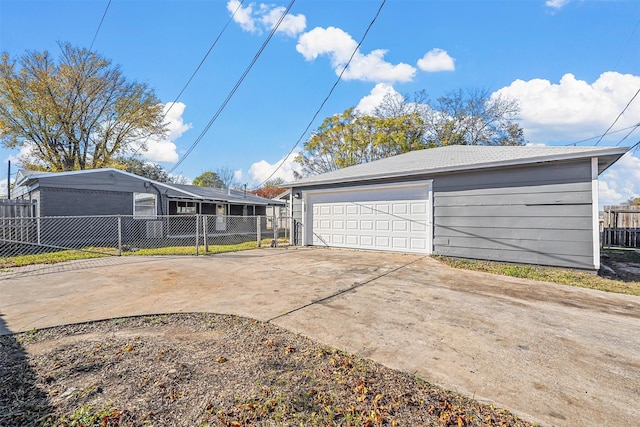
556	4
339	46
620	182
164	150
436	60
262	170
242	15
265	17
237	175
369	103
574	109
291	25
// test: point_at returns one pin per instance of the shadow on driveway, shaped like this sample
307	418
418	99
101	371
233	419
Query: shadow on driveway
22	402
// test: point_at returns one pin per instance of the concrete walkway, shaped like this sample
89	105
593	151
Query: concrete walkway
555	354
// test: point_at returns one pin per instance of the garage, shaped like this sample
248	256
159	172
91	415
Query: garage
518	204
382	217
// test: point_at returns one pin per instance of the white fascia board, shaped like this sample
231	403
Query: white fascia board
595	213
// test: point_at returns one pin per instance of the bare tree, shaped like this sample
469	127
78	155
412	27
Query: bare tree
78	113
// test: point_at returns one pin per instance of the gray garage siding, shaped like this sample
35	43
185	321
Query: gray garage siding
539	214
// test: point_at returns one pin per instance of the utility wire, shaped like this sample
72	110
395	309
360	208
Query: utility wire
100	25
235	88
327	97
215	42
617	118
627	45
628	134
599	136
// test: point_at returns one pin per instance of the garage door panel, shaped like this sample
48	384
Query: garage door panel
382	225
382	208
400	209
400	242
366	225
383	242
366	241
399	225
389	218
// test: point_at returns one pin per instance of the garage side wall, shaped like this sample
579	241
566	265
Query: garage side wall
540	214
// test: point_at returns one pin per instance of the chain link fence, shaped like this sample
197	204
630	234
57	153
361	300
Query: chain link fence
115	235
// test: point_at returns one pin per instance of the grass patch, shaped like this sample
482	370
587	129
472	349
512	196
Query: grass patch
621	255
48	258
92	252
561	276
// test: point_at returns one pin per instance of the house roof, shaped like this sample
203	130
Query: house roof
454	158
191	192
229	195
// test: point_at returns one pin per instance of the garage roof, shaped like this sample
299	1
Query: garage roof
455	158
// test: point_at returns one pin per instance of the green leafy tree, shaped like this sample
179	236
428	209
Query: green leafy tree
149	170
208	179
401	124
348	139
77	113
633	201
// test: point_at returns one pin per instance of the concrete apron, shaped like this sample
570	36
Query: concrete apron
554	354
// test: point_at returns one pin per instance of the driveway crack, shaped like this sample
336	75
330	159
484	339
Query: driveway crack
344	291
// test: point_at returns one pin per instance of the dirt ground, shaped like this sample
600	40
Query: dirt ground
620	265
206	369
562	355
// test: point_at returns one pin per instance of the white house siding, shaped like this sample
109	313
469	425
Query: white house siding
538	214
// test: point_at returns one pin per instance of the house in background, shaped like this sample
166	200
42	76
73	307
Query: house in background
521	204
116	192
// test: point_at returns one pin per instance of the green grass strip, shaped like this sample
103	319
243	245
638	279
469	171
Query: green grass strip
94	252
561	276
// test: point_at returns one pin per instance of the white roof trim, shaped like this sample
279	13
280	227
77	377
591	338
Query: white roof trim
129	174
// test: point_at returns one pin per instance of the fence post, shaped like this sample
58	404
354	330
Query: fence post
205	232
275	232
258	230
38	231
197	234
119	235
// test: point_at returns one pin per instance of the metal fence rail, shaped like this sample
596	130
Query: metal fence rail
113	235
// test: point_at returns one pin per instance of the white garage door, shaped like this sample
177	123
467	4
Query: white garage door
391	218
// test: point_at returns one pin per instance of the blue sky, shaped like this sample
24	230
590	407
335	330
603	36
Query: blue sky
573	66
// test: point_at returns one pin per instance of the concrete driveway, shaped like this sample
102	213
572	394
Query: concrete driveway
555	354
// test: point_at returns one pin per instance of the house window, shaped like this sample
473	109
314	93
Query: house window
186	208
144	205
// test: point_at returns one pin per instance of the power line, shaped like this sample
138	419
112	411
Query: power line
627	45
235	88
628	134
206	55
619	115
599	136
327	97
100	25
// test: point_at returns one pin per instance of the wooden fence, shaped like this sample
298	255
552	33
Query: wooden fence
16	220
621	226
